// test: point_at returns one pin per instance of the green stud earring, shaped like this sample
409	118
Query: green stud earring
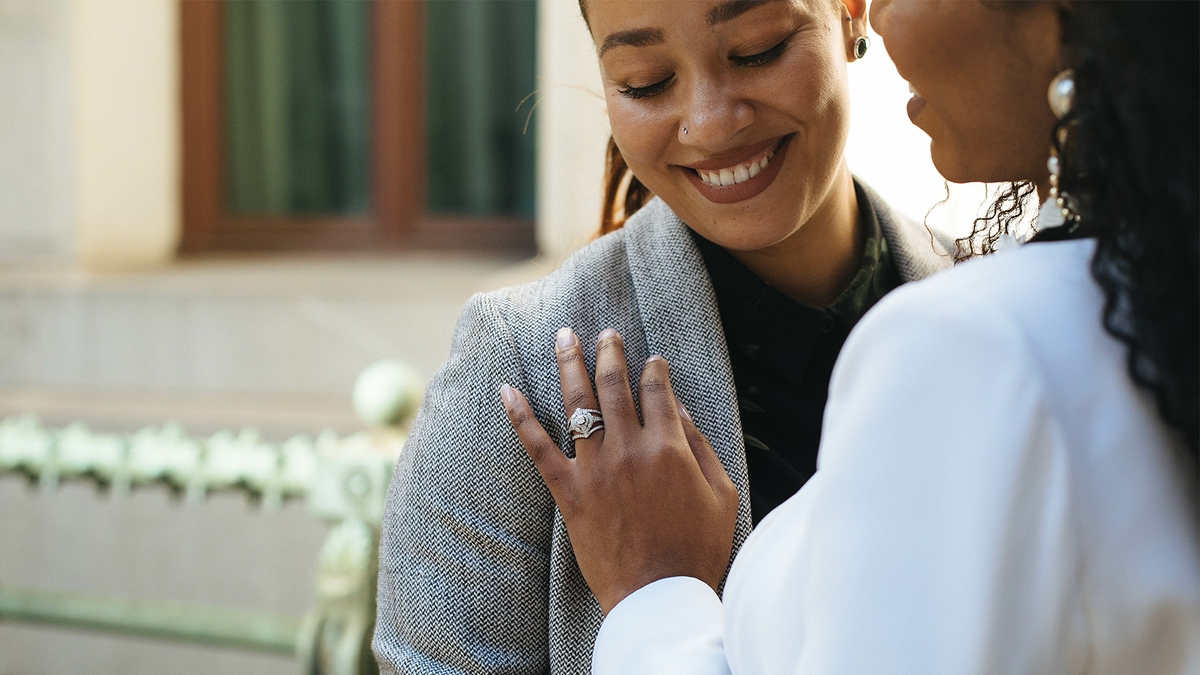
860	47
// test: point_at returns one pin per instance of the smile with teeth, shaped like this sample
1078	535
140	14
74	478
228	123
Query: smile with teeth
740	173
913	91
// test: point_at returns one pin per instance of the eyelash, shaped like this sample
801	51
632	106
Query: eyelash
754	60
761	58
643	92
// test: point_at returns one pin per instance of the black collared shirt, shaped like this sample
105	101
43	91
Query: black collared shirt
782	354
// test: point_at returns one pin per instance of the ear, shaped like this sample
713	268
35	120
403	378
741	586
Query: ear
854	24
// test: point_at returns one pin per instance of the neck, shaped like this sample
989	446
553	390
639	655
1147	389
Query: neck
818	261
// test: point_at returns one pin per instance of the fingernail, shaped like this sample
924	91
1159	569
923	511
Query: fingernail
564	339
654	357
507	395
606	333
683	411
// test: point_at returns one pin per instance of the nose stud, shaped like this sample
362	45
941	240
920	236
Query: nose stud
685	130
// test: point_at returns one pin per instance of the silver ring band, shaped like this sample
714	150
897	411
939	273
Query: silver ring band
584	422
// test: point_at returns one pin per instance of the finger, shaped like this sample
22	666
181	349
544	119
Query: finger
556	469
659	409
612	383
710	465
576	385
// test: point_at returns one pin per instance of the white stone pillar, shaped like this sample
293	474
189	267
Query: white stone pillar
126	123
572	130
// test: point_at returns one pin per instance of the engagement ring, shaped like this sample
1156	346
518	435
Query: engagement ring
584	422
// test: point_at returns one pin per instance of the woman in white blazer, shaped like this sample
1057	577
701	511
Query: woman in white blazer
1007	474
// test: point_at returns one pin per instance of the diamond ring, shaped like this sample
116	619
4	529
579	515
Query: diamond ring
584	422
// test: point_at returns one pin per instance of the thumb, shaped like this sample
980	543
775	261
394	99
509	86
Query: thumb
710	465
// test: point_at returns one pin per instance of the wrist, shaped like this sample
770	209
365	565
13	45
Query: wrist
616	595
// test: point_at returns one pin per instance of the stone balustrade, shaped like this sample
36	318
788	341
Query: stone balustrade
343	481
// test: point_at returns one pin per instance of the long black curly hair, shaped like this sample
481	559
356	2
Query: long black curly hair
1131	163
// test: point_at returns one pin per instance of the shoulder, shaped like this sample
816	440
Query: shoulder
595	284
597	275
979	352
1032	313
595	268
1020	289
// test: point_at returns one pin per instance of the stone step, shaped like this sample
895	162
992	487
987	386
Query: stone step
254	327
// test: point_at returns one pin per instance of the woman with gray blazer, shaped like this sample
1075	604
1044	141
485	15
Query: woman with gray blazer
750	253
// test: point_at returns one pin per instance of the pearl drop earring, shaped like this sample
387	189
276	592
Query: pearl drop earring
1061	97
1061	94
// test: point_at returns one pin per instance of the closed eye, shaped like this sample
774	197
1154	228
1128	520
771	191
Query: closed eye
761	57
648	90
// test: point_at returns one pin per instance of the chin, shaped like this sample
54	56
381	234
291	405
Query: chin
950	165
740	237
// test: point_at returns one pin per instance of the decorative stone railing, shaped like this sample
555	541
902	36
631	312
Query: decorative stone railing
343	481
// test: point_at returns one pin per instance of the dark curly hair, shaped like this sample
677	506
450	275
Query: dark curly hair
1130	163
1002	215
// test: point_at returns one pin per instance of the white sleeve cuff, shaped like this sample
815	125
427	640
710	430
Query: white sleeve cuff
673	626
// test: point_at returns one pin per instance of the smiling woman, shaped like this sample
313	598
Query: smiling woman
748	254
738	76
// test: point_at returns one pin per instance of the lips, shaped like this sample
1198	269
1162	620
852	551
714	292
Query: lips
915	104
739	175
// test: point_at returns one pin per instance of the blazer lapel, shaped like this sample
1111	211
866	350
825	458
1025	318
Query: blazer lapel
917	251
681	322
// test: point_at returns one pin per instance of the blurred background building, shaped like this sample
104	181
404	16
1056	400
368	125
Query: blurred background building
220	211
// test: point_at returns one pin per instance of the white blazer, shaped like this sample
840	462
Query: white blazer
993	495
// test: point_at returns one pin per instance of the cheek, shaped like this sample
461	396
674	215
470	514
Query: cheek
816	76
815	92
642	130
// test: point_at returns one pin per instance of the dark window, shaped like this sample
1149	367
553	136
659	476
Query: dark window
480	67
297	86
337	124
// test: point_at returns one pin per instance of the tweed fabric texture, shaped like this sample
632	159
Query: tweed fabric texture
476	572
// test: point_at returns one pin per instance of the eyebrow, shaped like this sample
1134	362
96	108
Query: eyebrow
648	37
732	9
638	37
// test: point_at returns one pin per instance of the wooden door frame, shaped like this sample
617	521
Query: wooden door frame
397	218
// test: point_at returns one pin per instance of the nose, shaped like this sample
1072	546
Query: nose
712	115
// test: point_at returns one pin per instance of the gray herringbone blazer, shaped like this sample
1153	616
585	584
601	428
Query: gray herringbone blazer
476	574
